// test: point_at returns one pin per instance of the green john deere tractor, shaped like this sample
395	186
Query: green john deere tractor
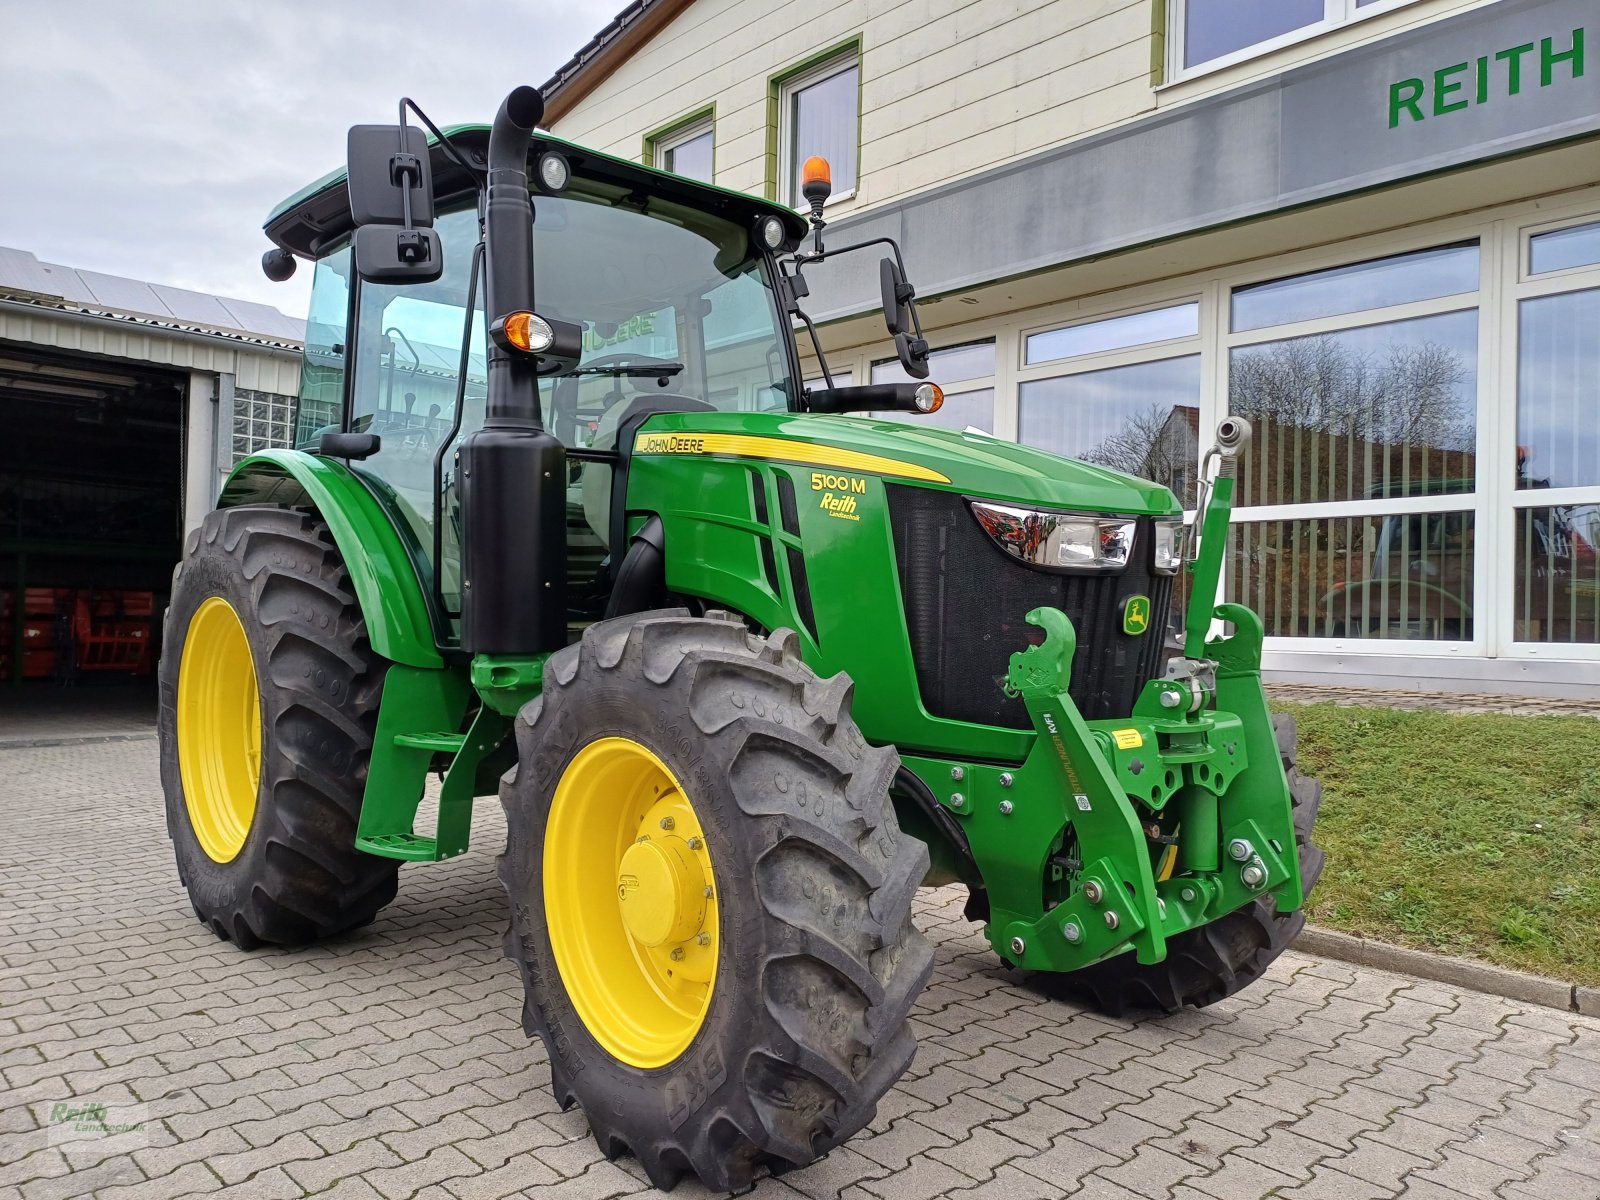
747	665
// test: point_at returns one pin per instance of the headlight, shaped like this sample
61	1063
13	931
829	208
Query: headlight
1062	541
1169	545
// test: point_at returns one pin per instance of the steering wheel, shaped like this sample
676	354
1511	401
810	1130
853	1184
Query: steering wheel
564	408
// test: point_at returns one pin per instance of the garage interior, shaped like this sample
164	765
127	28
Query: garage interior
91	492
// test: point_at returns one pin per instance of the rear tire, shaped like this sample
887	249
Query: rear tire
297	876
803	1025
1214	961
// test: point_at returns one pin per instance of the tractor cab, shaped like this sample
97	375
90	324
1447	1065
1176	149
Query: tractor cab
672	290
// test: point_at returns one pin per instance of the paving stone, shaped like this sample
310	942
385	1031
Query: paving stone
1238	1177
835	1174
904	1140
981	1151
392	1062
508	1179
923	1178
1150	1172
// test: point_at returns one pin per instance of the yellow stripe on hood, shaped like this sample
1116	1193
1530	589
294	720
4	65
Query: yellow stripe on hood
743	445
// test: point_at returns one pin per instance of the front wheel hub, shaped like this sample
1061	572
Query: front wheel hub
662	891
630	897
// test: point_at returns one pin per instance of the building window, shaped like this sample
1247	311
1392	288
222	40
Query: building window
965	373
1564	249
1120	391
818	114
1556	569
1396	576
1340	291
1113	333
1142	419
1376	412
1215	33
686	149
265	420
841	379
1370	403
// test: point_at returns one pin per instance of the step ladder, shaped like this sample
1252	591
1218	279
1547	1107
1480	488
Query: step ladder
430	701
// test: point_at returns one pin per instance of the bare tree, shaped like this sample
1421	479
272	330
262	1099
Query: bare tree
1156	442
1410	394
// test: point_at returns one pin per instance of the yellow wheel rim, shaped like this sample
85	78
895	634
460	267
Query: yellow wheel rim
631	902
219	730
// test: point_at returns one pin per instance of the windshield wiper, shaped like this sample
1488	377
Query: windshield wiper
632	370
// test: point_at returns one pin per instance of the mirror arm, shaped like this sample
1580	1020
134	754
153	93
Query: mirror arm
838	250
801	259
477	173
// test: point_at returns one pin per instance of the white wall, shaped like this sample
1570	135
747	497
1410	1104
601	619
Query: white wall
949	88
1004	77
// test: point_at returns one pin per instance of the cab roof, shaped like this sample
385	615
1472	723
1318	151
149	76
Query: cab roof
316	219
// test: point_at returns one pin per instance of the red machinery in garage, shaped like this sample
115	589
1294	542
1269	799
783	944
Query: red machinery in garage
71	632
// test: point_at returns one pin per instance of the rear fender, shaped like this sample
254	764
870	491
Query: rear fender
381	569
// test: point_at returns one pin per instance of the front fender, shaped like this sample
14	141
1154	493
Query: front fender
386	584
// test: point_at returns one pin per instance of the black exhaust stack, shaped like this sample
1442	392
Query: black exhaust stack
512	473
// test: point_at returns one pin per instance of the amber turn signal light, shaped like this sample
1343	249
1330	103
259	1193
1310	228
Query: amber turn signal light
524	331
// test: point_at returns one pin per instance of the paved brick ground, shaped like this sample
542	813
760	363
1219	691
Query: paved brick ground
391	1064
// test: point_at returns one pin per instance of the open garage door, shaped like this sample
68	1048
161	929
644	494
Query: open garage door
91	486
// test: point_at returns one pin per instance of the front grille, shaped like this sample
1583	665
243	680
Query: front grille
966	601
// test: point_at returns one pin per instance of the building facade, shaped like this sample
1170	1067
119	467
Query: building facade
1370	226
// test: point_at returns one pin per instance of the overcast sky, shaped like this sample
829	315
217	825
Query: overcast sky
150	138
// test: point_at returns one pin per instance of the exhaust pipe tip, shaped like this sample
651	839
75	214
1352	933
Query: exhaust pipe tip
524	107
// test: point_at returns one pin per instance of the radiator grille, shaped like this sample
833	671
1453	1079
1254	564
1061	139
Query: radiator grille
966	601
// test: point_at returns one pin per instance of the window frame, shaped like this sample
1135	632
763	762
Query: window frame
1049	368
1479	502
1195	345
781	90
1511	502
1336	14
1525	272
676	133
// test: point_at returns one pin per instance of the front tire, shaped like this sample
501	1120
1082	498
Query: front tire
269	702
752	1014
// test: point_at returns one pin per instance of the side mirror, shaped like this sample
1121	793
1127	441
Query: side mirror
390	182
897	294
900	317
389	253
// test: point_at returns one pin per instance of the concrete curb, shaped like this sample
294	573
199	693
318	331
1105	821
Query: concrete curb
86	740
1458	972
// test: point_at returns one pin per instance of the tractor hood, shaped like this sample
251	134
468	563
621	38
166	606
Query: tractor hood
970	463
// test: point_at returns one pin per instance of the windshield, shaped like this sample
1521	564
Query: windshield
674	309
